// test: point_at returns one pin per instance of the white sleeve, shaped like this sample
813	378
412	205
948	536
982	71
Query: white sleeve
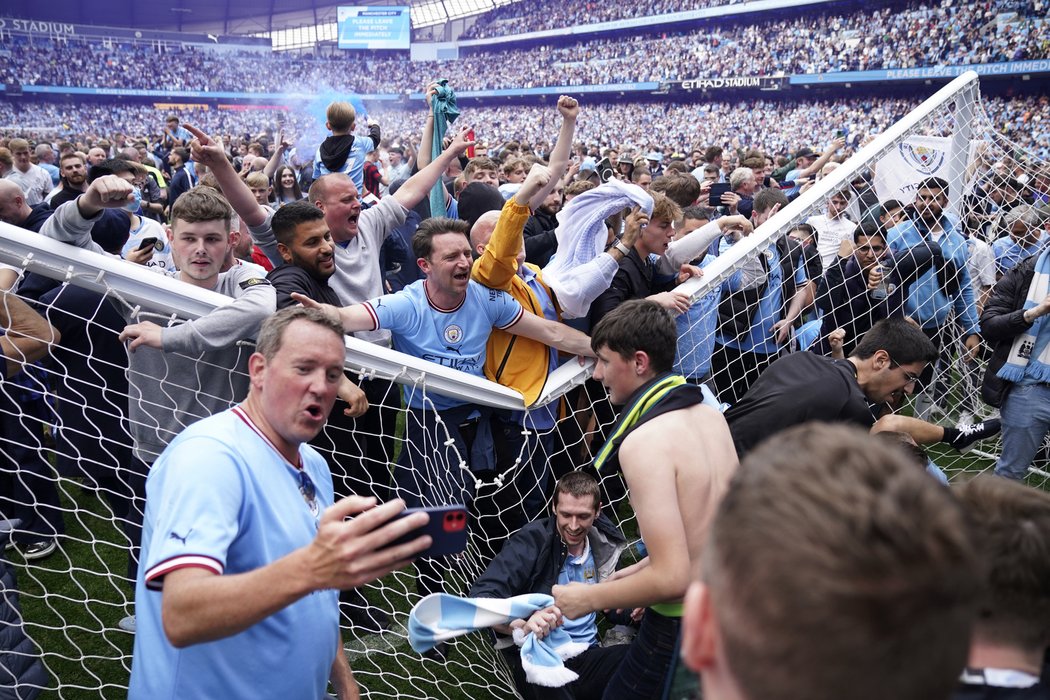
577	287
689	248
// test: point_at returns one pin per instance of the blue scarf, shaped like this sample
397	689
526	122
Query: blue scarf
439	617
1030	354
445	111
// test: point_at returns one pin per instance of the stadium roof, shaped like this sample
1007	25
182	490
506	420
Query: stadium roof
226	16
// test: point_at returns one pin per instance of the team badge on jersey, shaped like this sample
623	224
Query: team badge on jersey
453	334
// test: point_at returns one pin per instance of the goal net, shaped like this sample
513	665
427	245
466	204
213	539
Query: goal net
70	468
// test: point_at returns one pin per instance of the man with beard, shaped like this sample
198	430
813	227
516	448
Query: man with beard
851	290
932	298
73	175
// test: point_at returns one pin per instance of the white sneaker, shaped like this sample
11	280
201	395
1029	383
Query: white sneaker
127	624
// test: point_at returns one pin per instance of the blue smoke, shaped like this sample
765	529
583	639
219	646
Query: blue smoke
308	117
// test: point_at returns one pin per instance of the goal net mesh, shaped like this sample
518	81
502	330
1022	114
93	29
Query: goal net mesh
69	466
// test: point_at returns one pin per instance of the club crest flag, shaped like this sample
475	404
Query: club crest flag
900	171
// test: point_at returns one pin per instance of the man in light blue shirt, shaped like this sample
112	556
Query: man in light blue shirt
446	319
760	301
244	551
935	295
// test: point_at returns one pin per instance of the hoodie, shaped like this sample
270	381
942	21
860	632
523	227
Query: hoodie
345	153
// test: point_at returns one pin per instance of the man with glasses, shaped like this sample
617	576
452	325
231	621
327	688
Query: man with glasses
244	552
803	387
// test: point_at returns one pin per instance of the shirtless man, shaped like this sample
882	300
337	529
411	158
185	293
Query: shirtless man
677	457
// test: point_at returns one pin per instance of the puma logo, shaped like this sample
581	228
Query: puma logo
181	538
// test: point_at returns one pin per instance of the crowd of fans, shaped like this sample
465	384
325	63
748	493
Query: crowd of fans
537	15
776	126
672	154
919	35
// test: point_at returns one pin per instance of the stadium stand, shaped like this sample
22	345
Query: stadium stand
993	149
909	36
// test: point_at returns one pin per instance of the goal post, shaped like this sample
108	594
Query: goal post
72	415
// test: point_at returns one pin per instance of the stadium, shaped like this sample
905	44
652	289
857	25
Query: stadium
847	110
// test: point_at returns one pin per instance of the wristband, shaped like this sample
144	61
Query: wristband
624	250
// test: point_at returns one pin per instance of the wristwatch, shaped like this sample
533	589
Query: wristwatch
624	250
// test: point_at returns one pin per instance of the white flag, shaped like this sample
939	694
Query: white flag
900	171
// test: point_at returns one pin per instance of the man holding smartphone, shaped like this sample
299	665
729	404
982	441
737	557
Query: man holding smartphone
243	553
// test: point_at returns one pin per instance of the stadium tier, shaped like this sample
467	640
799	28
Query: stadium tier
820	42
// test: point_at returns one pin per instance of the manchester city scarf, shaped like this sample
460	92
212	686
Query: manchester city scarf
1030	353
440	617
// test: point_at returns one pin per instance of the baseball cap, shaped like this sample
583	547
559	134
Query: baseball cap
805	153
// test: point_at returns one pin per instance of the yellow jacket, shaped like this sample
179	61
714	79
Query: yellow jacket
513	361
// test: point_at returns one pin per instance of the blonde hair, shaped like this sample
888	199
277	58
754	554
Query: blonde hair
257	179
664	208
341	116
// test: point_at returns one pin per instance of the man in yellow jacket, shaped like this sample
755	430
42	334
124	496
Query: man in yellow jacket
517	362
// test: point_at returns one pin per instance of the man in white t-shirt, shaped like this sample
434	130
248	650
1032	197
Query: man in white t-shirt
34	181
832	228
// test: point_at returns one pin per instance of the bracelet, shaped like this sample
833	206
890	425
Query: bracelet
624	250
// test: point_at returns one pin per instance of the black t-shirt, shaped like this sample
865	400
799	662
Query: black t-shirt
290	278
66	194
797	388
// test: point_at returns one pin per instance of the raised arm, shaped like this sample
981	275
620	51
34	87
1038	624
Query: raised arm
819	163
423	157
499	261
694	244
418	186
210	152
72	222
569	109
278	155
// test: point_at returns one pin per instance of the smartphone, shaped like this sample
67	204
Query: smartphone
714	196
447	529
147	243
470	149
